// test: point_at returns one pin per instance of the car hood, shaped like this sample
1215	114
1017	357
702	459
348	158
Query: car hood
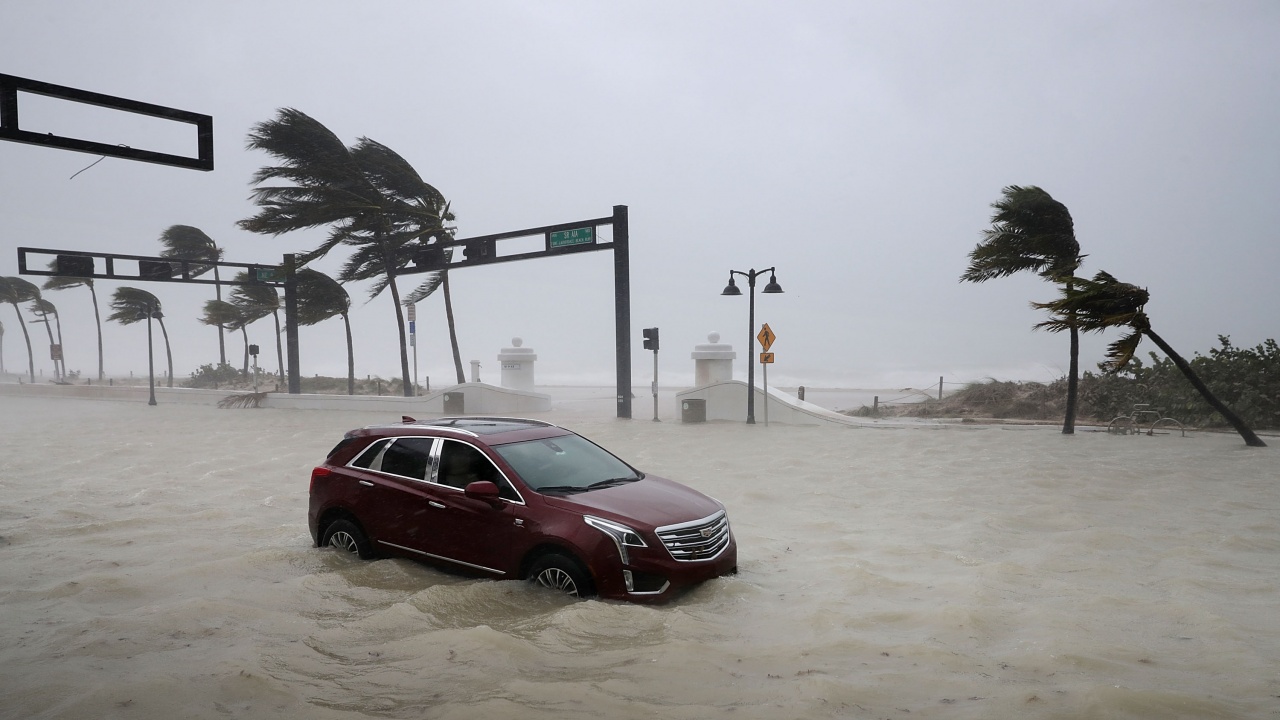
651	502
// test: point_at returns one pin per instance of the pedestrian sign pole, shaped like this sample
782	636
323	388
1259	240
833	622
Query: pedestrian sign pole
766	338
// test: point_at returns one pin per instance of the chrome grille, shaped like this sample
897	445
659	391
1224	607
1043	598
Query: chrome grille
698	540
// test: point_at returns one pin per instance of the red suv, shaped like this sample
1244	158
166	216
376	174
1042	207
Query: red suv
511	498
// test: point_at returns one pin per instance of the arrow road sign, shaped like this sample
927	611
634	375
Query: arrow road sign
766	337
766	358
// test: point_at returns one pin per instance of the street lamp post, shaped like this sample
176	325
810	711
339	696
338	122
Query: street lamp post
732	289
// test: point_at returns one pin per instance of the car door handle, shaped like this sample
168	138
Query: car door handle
435	504
366	483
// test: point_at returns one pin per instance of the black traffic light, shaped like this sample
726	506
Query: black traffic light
478	250
651	339
74	266
154	270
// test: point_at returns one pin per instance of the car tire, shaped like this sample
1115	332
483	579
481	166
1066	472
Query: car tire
563	574
346	535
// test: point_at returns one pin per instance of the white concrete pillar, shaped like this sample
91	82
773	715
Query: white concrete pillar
517	366
475	371
712	362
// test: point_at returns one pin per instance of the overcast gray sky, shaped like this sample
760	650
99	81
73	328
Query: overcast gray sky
856	146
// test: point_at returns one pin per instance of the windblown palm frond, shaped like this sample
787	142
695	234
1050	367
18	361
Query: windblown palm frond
1030	231
224	315
255	300
320	297
130	305
190	243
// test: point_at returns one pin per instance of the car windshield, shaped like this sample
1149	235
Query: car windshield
568	463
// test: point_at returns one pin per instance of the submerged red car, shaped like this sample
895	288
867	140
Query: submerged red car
518	499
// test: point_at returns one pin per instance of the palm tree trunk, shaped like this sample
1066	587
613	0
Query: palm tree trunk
1073	383
31	358
279	347
1250	439
168	352
97	319
48	327
245	334
58	319
222	343
351	357
389	268
453	332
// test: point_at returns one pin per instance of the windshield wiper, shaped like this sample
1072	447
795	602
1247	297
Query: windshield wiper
562	488
611	482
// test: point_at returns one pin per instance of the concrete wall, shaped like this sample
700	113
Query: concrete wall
478	398
728	401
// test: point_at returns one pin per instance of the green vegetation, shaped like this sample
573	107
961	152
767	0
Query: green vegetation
1246	378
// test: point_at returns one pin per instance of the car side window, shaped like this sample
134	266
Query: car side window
408	457
461	464
368	458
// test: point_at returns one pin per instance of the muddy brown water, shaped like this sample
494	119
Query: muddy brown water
155	563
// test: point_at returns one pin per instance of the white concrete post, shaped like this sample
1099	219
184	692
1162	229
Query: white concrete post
475	371
713	361
517	366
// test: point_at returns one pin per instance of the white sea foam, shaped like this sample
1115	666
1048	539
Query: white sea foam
156	564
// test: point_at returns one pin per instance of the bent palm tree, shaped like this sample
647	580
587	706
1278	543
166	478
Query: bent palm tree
64	282
1032	232
257	301
130	305
1104	302
228	317
368	195
191	243
14	290
320	297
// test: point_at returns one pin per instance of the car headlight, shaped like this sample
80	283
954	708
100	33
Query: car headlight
622	535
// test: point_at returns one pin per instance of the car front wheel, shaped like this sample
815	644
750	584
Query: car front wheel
346	535
563	574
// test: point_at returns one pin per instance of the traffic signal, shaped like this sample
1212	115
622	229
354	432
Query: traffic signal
478	250
74	266
651	339
154	270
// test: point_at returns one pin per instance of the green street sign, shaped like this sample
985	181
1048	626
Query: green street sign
265	274
578	236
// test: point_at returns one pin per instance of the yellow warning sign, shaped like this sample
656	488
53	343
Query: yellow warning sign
766	358
766	338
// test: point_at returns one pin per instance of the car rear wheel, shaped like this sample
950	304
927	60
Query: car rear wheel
346	535
563	574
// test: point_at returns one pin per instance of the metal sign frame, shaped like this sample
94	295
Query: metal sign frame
10	130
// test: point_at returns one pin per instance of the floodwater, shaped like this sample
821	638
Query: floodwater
155	563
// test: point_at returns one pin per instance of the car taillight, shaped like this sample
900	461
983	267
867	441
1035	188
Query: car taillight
319	472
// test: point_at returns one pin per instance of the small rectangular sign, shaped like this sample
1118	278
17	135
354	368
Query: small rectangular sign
577	236
264	274
766	358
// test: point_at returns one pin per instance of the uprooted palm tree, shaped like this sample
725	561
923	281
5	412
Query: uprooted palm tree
191	243
1032	232
64	282
228	317
46	313
130	305
1104	302
15	290
369	197
320	297
256	301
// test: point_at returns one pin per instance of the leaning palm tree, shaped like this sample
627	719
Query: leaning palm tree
320	297
256	301
1104	302
14	290
228	317
1032	232
64	282
46	313
1	348
368	196
191	243
130	305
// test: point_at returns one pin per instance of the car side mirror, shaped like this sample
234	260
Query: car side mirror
484	491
